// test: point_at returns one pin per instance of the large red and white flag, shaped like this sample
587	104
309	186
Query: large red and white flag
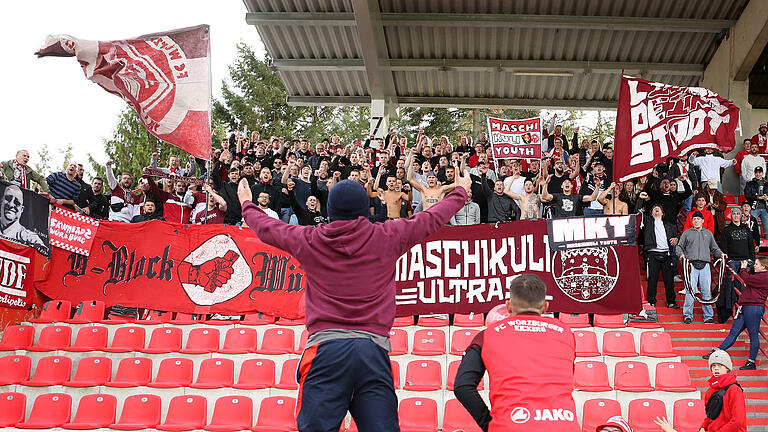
165	77
656	121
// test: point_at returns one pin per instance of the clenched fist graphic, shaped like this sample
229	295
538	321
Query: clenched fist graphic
211	274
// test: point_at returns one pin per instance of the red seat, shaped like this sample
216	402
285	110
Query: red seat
302	341
155	317
14	369
186	319
231	413
395	372
673	377
17	337
423	375
88	312
461	339
575	321
54	311
417	415
91	338
215	373
127	339
185	412
91	372
429	342
456	417
609	321
173	372
164	340
597	411
642	412
94	411
656	344
53	338
453	368
202	341
403	321
433	321
49	411
586	343
591	376
276	414
13	406
140	411
619	343
277	341
398	340
290	322
288	375
468	320
688	414
50	370
239	340
730	199
132	372
258	319
632	376
256	374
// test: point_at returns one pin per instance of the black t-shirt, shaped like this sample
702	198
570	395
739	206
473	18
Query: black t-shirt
565	205
555	184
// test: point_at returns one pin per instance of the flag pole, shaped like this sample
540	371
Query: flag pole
210	122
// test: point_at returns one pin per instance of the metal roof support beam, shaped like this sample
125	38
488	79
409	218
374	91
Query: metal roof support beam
494	20
456	102
511	66
750	36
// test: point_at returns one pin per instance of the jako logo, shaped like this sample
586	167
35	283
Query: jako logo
520	415
557	414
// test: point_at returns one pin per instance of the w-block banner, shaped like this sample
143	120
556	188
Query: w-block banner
656	121
515	139
165	77
223	269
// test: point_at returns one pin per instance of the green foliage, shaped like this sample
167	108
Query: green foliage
131	147
604	129
42	163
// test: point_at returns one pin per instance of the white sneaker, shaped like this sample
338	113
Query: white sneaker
678	278
682	291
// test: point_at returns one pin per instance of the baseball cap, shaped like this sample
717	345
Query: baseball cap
758	168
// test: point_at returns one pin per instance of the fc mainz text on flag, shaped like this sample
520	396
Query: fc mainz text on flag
656	121
165	77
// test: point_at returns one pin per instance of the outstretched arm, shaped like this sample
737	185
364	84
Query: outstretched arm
271	231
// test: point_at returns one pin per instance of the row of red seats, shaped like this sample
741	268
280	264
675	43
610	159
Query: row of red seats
143	411
632	376
137	371
620	343
237	340
686	417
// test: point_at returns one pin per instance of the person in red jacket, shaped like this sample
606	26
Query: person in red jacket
700	205
733	415
177	206
529	359
761	138
751	310
345	366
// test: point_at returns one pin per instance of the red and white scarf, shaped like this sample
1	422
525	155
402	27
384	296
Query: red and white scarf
20	173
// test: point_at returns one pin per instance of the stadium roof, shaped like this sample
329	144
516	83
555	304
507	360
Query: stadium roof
545	53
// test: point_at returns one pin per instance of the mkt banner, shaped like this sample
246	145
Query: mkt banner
591	231
515	139
24	217
19	265
72	231
165	77
656	121
224	269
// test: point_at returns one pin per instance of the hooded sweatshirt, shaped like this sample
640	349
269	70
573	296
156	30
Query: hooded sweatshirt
756	291
363	252
733	417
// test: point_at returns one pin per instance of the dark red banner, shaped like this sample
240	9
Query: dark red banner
223	269
656	121
19	266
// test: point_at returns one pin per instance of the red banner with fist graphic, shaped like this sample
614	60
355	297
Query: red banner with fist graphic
224	269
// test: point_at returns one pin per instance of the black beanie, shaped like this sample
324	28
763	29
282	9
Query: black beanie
348	200
697	214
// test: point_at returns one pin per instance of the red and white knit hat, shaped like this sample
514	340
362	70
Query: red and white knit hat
616	421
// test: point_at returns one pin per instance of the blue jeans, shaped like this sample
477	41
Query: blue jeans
750	319
700	282
762	216
688	203
285	214
592	212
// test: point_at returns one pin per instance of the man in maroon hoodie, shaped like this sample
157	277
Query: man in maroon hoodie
350	301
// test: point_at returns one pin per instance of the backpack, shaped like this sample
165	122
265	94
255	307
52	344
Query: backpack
715	402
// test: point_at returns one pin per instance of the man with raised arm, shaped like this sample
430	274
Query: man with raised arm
433	192
124	204
345	366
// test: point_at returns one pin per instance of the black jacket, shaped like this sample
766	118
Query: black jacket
233	214
144	217
98	205
272	190
671	203
737	242
752	191
649	233
501	208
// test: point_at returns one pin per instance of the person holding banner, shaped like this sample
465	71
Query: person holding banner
345	366
695	246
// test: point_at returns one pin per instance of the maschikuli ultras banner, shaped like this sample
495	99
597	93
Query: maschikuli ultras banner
207	269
